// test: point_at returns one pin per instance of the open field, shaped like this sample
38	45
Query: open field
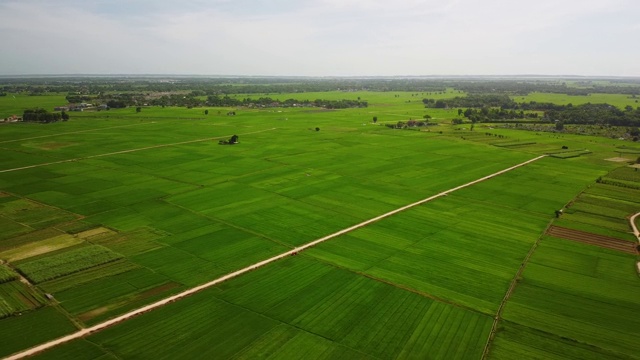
152	205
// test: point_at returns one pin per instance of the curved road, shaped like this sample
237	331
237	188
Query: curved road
121	318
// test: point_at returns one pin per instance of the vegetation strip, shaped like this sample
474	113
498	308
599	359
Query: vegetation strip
129	151
592	239
109	323
73	132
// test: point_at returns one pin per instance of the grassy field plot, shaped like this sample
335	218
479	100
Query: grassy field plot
109	295
7	274
34	215
582	293
139	215
87	275
16	297
40	247
65	263
40	325
337	313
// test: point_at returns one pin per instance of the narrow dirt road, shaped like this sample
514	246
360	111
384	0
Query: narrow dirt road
121	318
632	220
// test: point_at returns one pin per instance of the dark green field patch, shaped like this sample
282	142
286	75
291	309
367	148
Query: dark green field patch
103	291
88	275
231	248
41	325
179	265
132	242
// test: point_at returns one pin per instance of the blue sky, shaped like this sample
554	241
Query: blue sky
321	38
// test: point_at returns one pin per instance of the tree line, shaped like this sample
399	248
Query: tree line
226	101
43	116
81	86
493	107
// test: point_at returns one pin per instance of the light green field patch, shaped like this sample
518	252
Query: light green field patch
40	247
6	274
68	262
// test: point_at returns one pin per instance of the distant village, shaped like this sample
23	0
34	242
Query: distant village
70	107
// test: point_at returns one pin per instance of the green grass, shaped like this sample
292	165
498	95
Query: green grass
87	275
32	328
336	313
17	297
6	274
15	104
423	283
65	263
581	293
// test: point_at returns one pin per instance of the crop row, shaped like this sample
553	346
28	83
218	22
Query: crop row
16	296
6	274
579	292
65	263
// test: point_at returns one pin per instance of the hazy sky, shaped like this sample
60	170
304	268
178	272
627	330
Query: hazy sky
321	37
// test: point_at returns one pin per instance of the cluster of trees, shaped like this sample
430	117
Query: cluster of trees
78	98
486	114
473	101
595	114
232	141
116	104
496	107
43	116
408	124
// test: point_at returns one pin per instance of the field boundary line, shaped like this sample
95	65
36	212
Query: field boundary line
74	132
636	232
512	286
101	326
129	151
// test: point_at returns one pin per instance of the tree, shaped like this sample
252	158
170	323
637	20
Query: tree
460	111
317	129
64	116
138	109
206	112
559	126
427	116
234	139
375	119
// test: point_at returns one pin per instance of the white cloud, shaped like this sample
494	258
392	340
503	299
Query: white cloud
323	37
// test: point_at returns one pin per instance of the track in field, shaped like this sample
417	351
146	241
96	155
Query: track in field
592	239
106	324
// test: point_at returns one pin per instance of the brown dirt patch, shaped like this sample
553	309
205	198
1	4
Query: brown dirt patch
593	239
88	234
54	145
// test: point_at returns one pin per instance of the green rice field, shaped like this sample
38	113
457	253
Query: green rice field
114	210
